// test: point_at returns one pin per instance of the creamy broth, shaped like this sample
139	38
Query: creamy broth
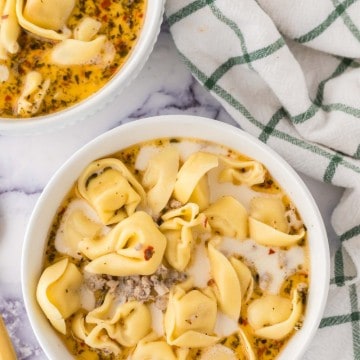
275	276
117	22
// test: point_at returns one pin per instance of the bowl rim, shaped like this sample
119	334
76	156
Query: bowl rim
106	94
181	126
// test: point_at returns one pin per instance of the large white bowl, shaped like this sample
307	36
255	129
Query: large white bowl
174	126
134	63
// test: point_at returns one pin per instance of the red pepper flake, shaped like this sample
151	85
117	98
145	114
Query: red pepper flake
105	4
260	351
243	321
211	282
148	253
104	18
271	251
205	222
8	98
113	69
5	16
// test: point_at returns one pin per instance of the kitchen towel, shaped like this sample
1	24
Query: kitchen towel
289	73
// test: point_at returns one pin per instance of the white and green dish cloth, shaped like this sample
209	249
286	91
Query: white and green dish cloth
289	73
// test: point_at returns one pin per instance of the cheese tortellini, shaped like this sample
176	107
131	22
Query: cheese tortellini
9	27
274	317
228	217
58	292
153	348
245	278
242	172
268	223
178	228
78	52
32	94
160	177
270	211
176	270
191	173
111	189
79	222
112	326
227	284
134	247
267	235
50	14
190	317
126	323
87	29
45	19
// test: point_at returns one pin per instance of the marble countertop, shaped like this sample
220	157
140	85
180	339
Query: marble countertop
164	86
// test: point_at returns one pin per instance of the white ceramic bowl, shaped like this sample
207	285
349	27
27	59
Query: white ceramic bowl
174	126
136	60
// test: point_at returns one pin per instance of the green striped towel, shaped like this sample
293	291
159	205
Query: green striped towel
289	73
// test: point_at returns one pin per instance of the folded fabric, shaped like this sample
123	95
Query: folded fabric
289	73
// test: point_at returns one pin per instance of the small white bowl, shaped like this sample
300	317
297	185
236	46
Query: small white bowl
131	68
174	126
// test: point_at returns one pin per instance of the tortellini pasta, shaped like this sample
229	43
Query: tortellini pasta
112	326
111	189
58	292
50	14
227	284
99	338
153	348
242	172
270	211
190	317
174	269
126	323
191	172
245	278
46	19
134	247
178	228
201	193
268	236
269	225
160	177
80	328
246	345
94	335
274	317
78	223
77	52
87	29
32	94
9	27
228	217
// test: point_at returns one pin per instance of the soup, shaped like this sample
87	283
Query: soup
54	54
175	249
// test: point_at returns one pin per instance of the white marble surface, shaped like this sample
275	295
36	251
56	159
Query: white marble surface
164	86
